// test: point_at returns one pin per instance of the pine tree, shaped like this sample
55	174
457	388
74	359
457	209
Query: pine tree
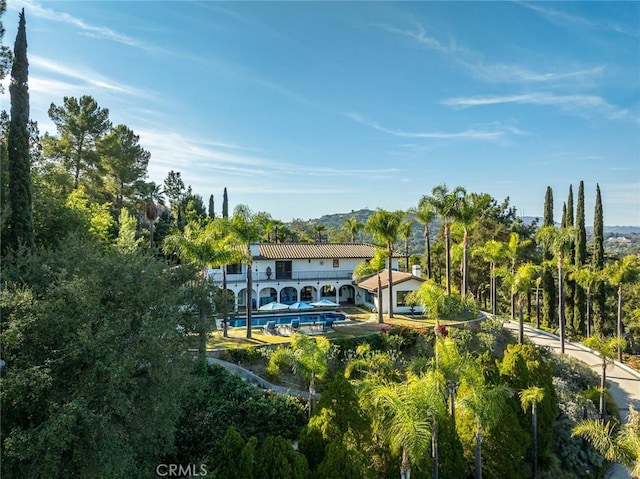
580	258
225	204
20	227
569	284
549	316
212	211
597	264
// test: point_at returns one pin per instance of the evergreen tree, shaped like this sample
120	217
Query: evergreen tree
580	258
20	227
225	204
597	264
549	316
212	211
569	284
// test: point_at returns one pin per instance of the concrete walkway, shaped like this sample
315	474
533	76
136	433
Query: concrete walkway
624	382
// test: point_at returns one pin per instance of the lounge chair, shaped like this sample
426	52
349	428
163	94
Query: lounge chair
270	328
327	324
295	324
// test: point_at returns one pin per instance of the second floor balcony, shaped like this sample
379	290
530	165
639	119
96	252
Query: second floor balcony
294	277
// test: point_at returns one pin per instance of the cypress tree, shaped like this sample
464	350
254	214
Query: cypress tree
580	258
549	316
212	211
597	264
569	285
20	227
225	204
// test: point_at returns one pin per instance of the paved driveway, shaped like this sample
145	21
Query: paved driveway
624	382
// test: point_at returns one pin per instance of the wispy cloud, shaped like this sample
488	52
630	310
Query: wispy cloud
95	31
586	105
564	18
493	133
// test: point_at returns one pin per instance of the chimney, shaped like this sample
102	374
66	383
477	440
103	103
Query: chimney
416	270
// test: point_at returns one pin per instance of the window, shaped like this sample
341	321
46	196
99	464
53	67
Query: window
234	268
336	263
283	269
401	298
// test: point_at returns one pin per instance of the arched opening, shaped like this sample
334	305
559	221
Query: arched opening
242	298
308	294
347	294
288	295
267	295
328	291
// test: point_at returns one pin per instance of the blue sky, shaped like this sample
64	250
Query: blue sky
302	109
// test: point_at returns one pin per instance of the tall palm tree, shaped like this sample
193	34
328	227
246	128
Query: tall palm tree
319	230
245	227
615	443
446	202
587	278
384	227
558	240
465	215
352	226
529	398
406	415
453	366
149	197
607	348
515	251
426	215
523	281
404	230
625	270
494	253
200	246
486	405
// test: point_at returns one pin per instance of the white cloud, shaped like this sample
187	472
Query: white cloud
582	104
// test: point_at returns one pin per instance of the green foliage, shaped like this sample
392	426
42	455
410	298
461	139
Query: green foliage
436	303
232	457
94	365
96	216
126	239
344	460
368	268
276	458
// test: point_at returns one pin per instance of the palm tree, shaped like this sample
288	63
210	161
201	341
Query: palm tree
445	202
558	240
529	398
406	414
607	348
625	270
318	230
466	214
523	281
149	196
384	227
200	246
486	405
615	444
425	214
515	250
404	230
587	278
453	366
492	252
245	227
352	226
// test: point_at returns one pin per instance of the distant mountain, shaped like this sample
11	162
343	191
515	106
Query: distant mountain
607	229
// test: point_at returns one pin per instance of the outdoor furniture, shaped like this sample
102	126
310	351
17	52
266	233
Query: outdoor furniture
270	328
327	325
295	324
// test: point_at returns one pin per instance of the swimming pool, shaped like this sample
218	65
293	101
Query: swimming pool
305	318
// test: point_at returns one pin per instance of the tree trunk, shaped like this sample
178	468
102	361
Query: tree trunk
479	452
620	321
561	304
390	283
434	449
452	404
520	322
150	234
447	247
380	315
588	313
249	295
534	447
538	307
465	263
405	467
603	382
428	241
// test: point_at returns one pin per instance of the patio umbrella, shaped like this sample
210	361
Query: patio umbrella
273	306
325	303
300	305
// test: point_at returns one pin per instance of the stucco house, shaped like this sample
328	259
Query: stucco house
403	283
290	272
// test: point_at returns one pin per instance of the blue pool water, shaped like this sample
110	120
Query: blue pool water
305	318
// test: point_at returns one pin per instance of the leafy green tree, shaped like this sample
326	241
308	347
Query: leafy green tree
404	231
318	230
586	278
352	226
557	240
384	226
607	348
597	263
245	228
580	259
126	239
232	456
96	216
569	285
615	443
453	365
466	214
426	215
149	198
493	252
276	458
523	282
20	226
446	202
530	398
124	163
80	124
175	191
94	364
515	251
625	270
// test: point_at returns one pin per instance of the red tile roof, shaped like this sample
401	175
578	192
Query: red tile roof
397	277
316	250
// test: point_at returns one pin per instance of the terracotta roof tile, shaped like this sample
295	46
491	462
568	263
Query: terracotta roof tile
397	277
